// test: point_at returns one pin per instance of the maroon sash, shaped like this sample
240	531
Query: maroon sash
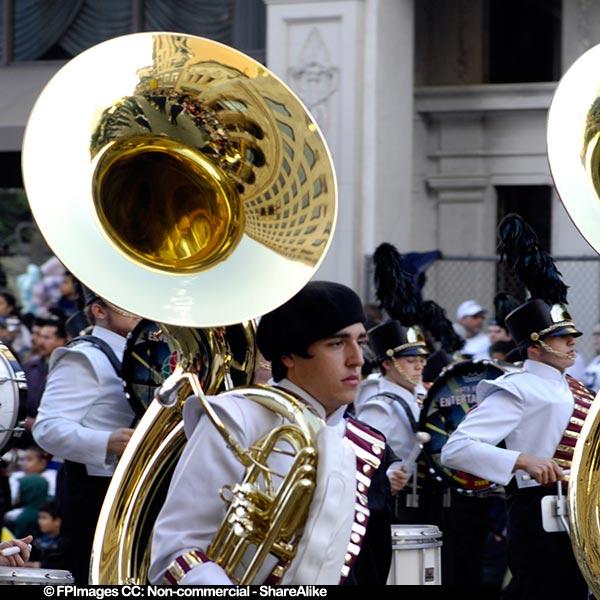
583	399
369	447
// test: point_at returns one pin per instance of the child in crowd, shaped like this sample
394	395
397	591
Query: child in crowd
49	540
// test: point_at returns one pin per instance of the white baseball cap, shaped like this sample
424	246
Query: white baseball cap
469	308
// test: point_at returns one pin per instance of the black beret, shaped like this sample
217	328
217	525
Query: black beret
317	311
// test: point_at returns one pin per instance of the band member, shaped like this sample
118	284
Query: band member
85	419
389	402
314	342
529	410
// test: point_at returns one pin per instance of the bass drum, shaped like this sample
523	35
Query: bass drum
13	393
449	399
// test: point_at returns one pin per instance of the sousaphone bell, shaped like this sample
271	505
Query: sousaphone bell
184	182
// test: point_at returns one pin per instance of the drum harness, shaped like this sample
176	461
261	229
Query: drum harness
412	499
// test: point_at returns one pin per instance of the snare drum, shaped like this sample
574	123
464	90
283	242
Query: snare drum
416	558
27	576
13	391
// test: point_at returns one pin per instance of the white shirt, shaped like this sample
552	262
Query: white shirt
387	415
591	375
477	346
193	510
528	409
83	403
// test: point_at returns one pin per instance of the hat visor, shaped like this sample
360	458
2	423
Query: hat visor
415	351
566	330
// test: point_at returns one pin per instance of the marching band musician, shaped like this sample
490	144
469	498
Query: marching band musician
314	344
529	410
389	402
85	419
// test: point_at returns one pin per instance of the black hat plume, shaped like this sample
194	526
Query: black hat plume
521	250
394	286
503	305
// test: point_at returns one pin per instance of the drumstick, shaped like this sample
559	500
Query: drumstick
422	437
12	550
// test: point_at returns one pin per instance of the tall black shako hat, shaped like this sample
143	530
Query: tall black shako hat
546	314
319	310
400	336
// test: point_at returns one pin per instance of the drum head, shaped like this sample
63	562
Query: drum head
13	393
148	360
449	399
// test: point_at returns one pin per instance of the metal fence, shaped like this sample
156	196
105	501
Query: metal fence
453	279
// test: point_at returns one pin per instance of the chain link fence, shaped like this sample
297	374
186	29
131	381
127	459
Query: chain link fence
453	279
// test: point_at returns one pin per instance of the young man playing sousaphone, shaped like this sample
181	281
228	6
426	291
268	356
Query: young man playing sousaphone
314	344
530	410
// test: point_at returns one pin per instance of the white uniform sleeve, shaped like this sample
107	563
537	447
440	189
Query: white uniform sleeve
193	509
472	447
390	421
71	390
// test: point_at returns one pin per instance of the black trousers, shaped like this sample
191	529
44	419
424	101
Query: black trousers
542	564
80	497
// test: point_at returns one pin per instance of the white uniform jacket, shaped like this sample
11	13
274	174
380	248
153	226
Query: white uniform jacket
83	403
387	415
193	510
527	409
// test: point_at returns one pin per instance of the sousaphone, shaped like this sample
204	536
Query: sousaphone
574	155
184	182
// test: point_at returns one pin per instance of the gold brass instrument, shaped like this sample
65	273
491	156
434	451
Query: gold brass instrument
574	155
200	193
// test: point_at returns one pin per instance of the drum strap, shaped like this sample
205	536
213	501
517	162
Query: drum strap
404	404
103	347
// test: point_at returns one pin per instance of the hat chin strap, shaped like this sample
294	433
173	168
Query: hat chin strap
403	373
553	351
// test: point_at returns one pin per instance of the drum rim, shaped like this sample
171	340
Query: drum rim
8	357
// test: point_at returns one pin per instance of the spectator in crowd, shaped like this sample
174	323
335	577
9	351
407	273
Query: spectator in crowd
68	302
500	349
470	317
33	461
33	492
51	335
49	541
591	375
